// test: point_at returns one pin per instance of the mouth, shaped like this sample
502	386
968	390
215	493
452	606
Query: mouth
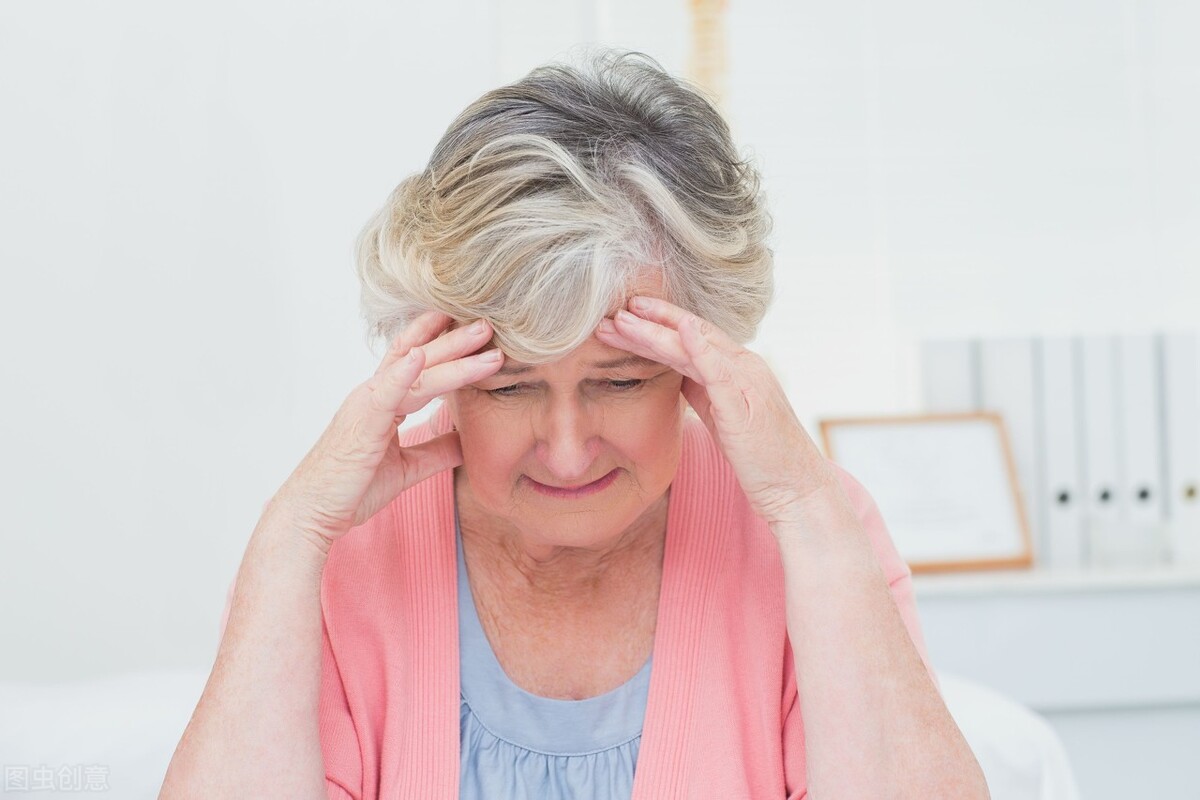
598	485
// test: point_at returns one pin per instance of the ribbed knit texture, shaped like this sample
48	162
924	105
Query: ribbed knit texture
723	716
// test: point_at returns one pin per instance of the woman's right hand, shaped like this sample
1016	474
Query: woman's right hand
357	466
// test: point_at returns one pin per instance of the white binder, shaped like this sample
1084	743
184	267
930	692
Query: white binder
1060	431
1098	392
948	376
1006	374
1181	411
1140	447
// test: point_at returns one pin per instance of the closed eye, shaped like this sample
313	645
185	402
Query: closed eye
615	385
506	391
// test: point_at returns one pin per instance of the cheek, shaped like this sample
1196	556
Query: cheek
492	446
651	434
497	442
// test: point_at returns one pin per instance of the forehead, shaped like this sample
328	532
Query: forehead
591	355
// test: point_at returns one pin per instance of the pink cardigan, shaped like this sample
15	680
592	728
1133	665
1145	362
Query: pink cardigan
723	716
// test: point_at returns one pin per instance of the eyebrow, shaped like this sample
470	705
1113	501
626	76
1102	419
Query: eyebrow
614	363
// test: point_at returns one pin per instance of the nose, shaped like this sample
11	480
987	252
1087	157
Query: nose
567	440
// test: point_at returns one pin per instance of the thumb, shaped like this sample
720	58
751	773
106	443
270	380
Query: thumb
431	457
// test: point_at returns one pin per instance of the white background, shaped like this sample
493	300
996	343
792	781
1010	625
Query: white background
180	187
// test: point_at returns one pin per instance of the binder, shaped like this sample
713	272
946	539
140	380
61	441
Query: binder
1140	448
1059	443
1006	375
948	376
1181	424
1097	408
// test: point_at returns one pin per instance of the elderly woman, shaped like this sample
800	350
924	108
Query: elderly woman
563	584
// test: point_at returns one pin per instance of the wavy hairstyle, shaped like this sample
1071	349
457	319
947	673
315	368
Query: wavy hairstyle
547	200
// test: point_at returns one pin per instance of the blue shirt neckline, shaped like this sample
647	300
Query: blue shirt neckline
542	724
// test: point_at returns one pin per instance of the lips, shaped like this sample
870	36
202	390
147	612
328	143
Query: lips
583	490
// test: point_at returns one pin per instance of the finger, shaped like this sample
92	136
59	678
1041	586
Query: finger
607	332
385	392
442	378
693	392
457	342
420	461
655	341
421	330
716	373
658	310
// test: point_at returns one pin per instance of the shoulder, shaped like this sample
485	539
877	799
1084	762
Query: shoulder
708	474
860	499
714	503
871	519
701	456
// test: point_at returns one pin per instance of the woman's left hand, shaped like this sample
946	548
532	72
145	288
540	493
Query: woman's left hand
737	397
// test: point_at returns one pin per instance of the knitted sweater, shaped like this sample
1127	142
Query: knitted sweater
723	715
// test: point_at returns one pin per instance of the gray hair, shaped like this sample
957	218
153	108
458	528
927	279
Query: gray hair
548	200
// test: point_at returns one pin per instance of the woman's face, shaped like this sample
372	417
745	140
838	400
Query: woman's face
599	418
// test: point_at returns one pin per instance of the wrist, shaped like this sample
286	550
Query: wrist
286	523
824	523
815	509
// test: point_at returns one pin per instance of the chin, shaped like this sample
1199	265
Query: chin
579	528
596	526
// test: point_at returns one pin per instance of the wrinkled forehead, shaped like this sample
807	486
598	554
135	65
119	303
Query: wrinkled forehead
584	359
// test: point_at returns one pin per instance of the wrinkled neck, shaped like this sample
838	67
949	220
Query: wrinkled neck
542	571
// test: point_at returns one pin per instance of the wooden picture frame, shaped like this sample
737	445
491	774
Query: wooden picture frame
945	484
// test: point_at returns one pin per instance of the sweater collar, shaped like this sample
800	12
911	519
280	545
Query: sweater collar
696	514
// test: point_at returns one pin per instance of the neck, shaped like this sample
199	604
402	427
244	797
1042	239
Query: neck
551	573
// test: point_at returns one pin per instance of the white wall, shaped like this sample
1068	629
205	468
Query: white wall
183	185
180	189
949	168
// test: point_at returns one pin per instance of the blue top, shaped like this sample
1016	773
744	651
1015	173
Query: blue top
517	744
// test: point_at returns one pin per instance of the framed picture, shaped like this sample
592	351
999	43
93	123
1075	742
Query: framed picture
944	483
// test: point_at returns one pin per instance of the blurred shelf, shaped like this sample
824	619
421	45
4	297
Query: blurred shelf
1047	580
1070	640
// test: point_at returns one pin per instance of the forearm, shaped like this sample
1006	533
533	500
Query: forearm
254	732
874	723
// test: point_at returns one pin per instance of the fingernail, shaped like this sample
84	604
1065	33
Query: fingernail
625	316
478	326
606	326
640	303
490	355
